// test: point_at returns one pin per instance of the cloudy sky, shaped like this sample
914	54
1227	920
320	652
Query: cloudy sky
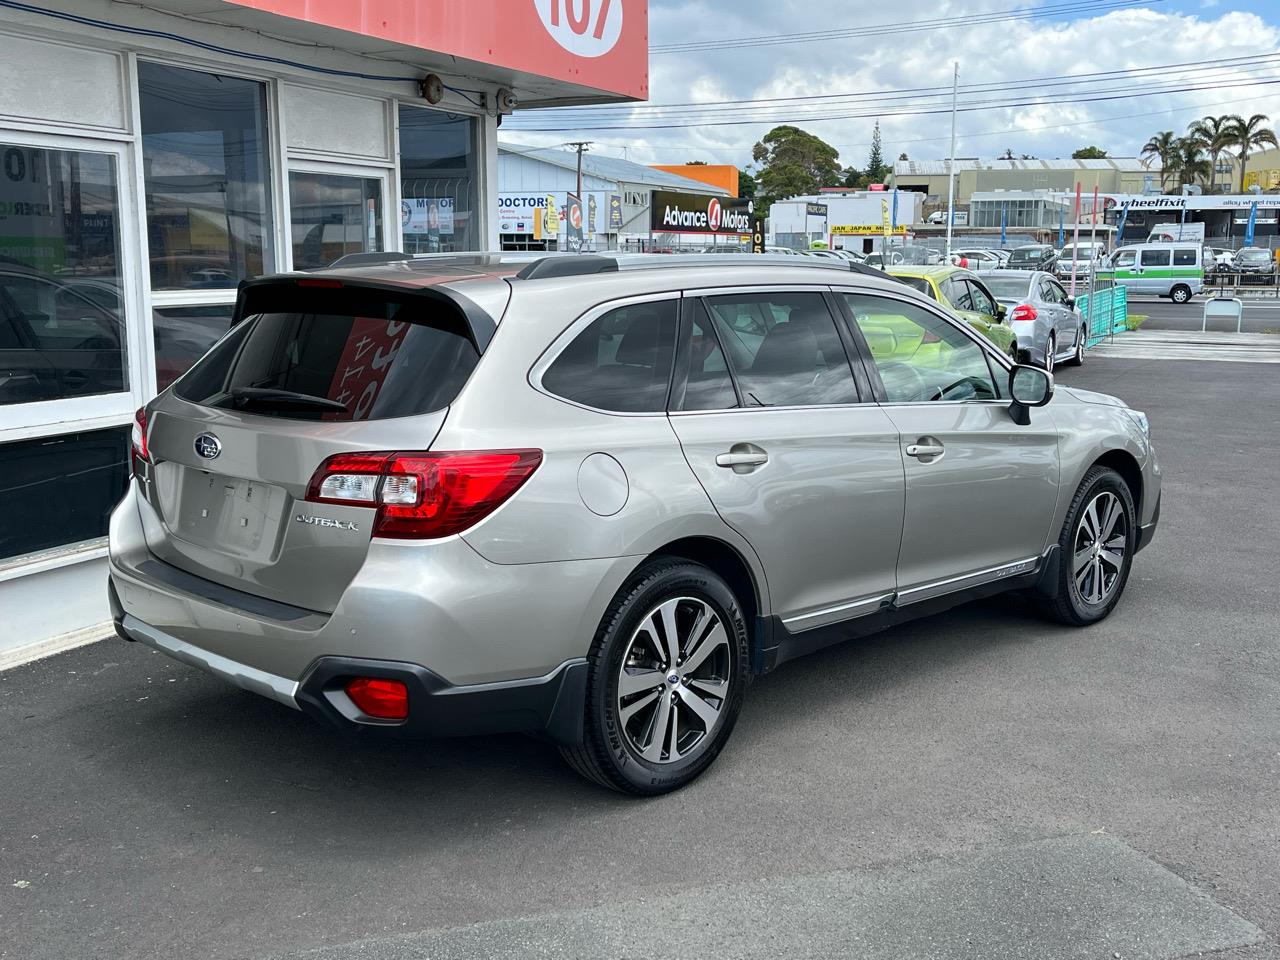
1213	56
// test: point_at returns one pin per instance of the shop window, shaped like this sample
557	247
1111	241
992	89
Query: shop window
332	216
438	208
58	491
62	330
184	334
204	147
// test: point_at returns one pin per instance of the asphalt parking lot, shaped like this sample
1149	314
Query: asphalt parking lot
1260	314
979	784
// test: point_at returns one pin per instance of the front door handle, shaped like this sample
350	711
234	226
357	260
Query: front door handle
926	449
742	458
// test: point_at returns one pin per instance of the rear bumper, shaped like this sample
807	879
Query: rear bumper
551	705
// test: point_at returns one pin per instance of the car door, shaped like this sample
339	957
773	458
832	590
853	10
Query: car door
981	489
777	431
1154	266
1053	299
1066	320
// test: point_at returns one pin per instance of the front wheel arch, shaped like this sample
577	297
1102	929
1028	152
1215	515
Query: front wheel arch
1124	463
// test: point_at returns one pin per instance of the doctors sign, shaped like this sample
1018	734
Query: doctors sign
671	211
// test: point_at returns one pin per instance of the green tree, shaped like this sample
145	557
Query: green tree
903	157
793	162
746	183
1162	146
1210	133
1089	153
855	179
877	170
1191	164
1243	135
695	163
1007	155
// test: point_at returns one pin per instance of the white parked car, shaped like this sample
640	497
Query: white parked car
1085	256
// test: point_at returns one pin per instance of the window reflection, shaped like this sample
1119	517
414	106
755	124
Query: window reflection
333	216
204	143
61	327
183	335
438	181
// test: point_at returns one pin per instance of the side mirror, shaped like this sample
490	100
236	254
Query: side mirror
1029	387
1001	312
1069	303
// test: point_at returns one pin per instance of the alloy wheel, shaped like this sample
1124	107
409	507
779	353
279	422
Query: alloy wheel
674	680
1050	353
1101	542
1080	341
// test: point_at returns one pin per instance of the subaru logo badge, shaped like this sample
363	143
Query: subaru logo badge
674	678
208	446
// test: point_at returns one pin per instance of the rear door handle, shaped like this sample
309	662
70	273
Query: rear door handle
742	458
925	450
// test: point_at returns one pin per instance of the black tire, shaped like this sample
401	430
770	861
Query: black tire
1077	359
607	755
1068	604
1180	294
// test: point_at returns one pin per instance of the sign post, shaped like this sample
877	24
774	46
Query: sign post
757	235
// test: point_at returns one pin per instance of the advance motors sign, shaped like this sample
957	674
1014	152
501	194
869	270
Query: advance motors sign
671	211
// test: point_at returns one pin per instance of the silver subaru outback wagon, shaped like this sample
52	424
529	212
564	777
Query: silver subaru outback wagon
590	497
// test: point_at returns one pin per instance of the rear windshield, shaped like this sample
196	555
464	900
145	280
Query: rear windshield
1027	253
359	356
1006	288
918	283
1255	255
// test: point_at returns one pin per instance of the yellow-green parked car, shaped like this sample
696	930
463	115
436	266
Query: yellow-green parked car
967	297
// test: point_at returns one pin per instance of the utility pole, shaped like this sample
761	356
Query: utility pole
581	146
951	164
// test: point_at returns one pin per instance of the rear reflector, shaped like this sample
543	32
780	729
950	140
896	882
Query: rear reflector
422	496
379	697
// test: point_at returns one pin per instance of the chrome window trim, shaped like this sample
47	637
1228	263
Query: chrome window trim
569	333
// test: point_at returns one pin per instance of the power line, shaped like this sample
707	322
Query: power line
969	107
796	113
907	26
1167	73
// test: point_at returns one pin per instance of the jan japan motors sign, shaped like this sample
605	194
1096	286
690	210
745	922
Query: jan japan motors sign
671	211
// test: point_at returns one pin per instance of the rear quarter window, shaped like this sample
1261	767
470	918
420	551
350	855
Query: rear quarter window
622	360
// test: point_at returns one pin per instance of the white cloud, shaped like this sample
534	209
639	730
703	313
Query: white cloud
992	53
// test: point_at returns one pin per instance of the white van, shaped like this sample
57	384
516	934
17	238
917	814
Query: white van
1173	270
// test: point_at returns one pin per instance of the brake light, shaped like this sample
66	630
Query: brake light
1024	311
423	496
379	697
138	440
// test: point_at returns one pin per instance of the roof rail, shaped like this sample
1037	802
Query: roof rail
369	259
569	265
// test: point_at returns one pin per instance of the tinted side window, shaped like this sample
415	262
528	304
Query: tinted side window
981	301
707	385
1047	292
799	359
920	356
1154	258
957	294
1184	258
621	361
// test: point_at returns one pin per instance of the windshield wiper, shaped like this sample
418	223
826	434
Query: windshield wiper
268	397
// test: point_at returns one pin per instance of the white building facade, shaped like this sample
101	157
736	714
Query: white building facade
151	159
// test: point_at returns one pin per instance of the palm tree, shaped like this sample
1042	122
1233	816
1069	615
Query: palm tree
1162	147
1243	135
1190	162
1210	133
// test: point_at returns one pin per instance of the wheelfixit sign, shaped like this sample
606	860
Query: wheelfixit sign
671	211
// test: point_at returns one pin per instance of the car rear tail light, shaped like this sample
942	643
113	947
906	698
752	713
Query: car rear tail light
138	440
1024	311
423	496
379	697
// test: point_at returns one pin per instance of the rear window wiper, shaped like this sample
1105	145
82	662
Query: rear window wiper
269	397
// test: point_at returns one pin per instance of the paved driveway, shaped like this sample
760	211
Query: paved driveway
979	784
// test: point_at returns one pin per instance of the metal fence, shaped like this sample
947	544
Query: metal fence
1105	304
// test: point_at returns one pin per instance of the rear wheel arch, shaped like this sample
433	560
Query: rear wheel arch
729	563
